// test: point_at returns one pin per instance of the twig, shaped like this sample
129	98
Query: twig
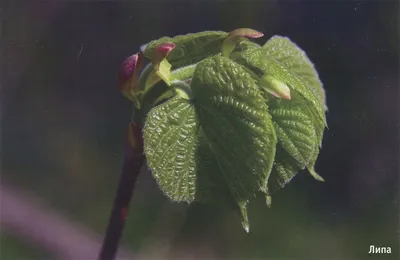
133	161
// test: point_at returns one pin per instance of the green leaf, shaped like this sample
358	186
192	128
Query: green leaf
225	135
283	171
211	186
311	163
169	144
297	139
261	65
218	146
178	155
237	125
283	50
294	128
287	68
190	48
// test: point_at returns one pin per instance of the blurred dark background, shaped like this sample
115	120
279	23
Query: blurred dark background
63	124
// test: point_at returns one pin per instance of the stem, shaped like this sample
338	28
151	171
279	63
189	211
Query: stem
133	161
182	89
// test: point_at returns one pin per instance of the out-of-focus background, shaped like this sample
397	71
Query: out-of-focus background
63	124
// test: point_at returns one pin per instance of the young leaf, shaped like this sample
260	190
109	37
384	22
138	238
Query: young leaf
236	122
239	122
263	66
224	141
169	145
258	60
283	171
310	166
294	128
297	138
283	50
178	154
294	59
190	48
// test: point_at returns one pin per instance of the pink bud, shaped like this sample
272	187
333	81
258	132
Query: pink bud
130	67
165	48
275	87
160	53
128	76
246	32
160	62
235	36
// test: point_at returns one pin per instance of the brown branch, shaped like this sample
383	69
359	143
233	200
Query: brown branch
133	161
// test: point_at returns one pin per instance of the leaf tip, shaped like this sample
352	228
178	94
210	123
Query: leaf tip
285	94
245	221
315	174
246	228
268	199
